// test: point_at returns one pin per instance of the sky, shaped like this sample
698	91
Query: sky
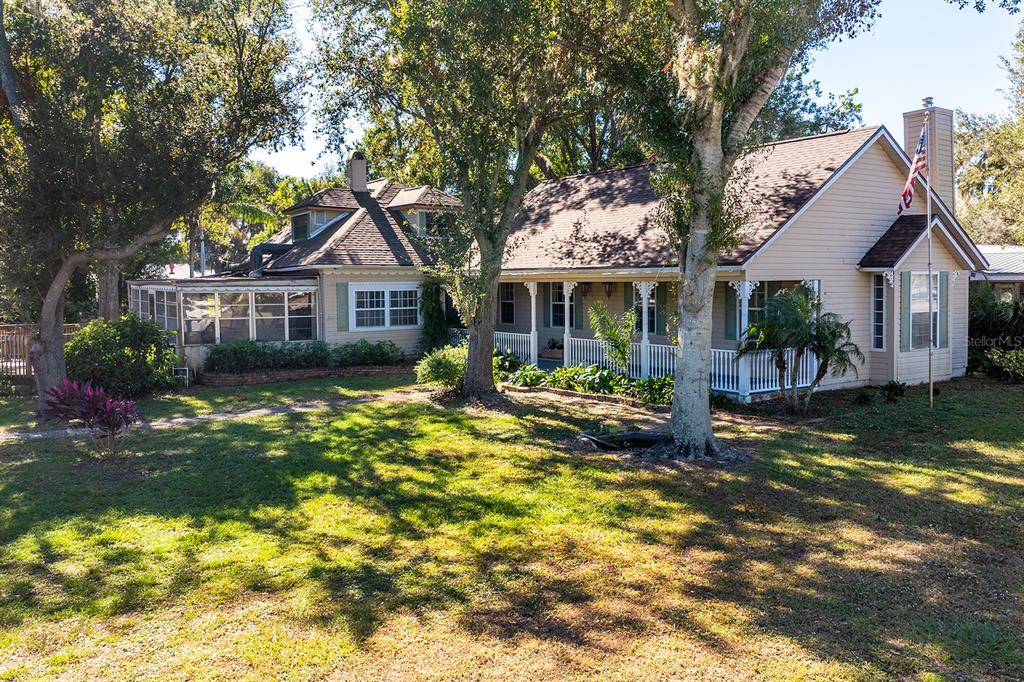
917	48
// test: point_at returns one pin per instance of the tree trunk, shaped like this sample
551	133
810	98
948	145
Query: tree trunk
691	409
108	290
46	353
480	360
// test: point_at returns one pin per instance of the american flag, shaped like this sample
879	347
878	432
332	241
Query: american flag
918	166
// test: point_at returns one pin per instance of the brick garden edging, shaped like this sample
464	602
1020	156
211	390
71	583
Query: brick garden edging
599	397
278	375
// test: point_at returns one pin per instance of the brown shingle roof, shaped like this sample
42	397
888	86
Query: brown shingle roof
606	220
896	241
424	196
371	236
331	197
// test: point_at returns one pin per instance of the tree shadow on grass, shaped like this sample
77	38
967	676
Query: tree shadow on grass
409	508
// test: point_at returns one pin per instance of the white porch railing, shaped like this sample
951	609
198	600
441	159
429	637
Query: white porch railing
514	342
753	373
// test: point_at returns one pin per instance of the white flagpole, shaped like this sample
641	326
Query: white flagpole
928	226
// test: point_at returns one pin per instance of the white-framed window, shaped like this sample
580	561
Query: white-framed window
300	227
919	297
878	313
507	303
558	306
652	311
200	318
384	306
301	316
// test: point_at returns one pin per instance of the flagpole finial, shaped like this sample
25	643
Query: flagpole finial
928	102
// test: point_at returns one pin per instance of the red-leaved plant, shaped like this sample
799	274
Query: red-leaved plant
90	406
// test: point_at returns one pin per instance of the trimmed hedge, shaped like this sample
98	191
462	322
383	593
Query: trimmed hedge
1007	364
245	357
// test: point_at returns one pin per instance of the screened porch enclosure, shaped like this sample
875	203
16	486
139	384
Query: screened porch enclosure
523	326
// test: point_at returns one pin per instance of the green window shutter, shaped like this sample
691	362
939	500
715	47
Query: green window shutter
905	311
627	296
730	312
660	302
577	307
341	289
943	310
545	302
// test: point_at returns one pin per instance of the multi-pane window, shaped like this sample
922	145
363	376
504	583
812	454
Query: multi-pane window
558	306
301	317
234	316
920	294
404	308
300	227
507	303
199	312
270	315
878	312
387	306
370	308
652	311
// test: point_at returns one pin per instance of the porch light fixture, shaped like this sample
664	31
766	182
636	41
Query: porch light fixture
608	289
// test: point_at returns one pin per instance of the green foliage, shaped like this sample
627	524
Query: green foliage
596	379
445	367
863	396
653	390
527	375
129	114
617	332
128	357
434	331
1008	364
241	357
795	322
364	353
505	362
565	377
993	323
720	401
893	390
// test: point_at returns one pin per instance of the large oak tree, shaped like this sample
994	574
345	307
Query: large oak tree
118	117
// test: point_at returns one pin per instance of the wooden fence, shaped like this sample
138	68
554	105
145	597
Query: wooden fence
15	340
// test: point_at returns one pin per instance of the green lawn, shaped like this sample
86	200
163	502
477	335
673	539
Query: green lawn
405	539
18	413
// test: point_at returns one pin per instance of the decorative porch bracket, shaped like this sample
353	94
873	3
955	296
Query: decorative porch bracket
744	289
646	290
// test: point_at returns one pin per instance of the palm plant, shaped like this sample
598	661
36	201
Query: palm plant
794	321
616	331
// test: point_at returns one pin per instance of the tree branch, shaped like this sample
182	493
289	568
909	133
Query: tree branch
749	110
9	83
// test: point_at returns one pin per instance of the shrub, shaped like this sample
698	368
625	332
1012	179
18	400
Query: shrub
893	391
617	332
240	357
443	366
362	352
565	377
129	356
434	329
721	401
654	390
6	388
596	379
505	362
92	407
1008	364
862	396
527	375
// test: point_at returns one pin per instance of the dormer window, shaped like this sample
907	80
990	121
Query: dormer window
426	223
300	227
319	219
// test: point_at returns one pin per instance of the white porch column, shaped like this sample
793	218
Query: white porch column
567	288
744	288
532	288
645	289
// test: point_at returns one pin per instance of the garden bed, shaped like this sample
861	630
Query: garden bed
278	375
601	397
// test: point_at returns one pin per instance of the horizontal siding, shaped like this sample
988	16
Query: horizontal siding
827	242
406	339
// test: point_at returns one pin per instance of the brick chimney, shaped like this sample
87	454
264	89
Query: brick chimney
940	142
356	172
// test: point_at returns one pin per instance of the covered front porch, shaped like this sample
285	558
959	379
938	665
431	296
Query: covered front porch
544	323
